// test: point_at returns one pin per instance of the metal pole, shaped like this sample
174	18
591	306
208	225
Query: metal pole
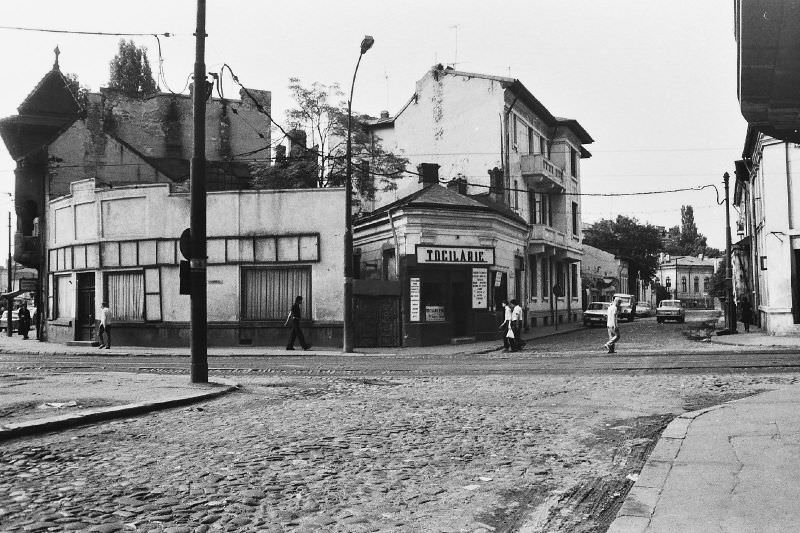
10	299
347	329
197	222
676	278
730	308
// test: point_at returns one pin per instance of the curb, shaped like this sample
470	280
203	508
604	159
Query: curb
45	425
637	510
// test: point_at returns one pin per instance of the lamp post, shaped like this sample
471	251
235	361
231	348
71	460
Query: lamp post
347	332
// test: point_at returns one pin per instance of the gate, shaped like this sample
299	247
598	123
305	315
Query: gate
377	321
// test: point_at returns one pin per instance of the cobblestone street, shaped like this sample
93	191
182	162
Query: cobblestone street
482	453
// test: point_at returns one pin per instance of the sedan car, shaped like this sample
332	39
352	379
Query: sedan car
596	314
671	310
643	309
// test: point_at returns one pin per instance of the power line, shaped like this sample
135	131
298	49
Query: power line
75	32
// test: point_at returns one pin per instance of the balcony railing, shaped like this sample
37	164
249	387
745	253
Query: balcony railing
538	170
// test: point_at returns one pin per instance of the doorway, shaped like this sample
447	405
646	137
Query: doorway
461	306
84	322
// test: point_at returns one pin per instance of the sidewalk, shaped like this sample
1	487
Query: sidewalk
729	468
16	345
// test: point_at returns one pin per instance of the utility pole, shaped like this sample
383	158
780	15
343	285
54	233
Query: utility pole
197	222
10	285
730	307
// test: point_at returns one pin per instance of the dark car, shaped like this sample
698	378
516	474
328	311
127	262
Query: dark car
596	314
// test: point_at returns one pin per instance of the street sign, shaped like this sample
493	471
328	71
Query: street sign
27	285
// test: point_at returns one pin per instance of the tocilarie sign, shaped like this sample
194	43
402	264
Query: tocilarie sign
454	255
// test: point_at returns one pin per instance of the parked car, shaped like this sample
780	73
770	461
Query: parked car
595	314
671	310
628	308
643	309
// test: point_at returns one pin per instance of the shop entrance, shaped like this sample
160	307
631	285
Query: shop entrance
460	304
84	323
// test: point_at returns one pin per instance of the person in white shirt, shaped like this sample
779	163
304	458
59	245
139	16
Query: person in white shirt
516	325
612	325
508	342
104	331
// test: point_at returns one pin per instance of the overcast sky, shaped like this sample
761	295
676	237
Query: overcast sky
653	82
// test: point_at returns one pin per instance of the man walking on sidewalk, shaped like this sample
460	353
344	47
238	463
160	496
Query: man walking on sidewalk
613	325
104	330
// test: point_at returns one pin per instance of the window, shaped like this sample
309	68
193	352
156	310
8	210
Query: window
125	295
434	301
65	297
514	133
683	283
516	195
697	284
531	141
540	209
268	293
706	284
543	147
668	282
575	218
534	276
573	162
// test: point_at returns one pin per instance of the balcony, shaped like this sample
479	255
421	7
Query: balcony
540	173
26	250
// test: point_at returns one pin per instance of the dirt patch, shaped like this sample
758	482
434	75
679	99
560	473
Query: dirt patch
700	331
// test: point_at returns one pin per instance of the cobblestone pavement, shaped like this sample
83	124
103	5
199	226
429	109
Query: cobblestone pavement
444	453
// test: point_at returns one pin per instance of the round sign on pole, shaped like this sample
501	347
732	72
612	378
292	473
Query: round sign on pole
185	244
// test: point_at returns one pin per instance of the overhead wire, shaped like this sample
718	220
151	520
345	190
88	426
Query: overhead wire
76	32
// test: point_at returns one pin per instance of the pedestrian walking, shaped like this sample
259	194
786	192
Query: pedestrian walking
505	327
104	330
746	308
612	324
24	320
294	320
516	325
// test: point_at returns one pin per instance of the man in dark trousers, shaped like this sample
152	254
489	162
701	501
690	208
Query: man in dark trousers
24	320
297	333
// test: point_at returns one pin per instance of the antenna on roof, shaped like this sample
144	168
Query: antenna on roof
455	60
386	78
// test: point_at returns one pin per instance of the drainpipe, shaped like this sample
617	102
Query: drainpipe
507	160
396	246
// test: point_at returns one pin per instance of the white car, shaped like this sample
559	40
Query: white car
671	310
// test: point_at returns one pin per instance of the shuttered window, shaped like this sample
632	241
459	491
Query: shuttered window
268	293
125	295
65	297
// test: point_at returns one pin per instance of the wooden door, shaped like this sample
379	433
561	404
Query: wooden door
84	322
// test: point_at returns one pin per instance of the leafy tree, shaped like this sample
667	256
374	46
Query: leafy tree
625	237
322	112
130	71
686	239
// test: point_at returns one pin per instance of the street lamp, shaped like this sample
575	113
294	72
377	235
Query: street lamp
347	332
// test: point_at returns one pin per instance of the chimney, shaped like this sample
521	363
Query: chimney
297	143
458	185
280	155
384	114
496	185
428	173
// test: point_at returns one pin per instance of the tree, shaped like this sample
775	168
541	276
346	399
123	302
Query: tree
130	71
625	237
321	111
686	239
80	92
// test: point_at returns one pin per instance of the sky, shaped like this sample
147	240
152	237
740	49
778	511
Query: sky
652	81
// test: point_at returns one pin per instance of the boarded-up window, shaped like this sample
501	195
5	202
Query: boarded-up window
65	297
125	295
268	293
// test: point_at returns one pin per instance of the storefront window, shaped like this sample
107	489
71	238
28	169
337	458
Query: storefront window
268	293
125	295
434	299
65	302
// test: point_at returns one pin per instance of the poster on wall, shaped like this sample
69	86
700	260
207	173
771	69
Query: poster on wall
480	281
434	313
413	296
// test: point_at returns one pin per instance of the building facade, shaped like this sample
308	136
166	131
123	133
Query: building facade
490	135
602	275
102	197
688	278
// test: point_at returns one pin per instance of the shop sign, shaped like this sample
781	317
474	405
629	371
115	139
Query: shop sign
413	305
434	313
480	281
455	255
